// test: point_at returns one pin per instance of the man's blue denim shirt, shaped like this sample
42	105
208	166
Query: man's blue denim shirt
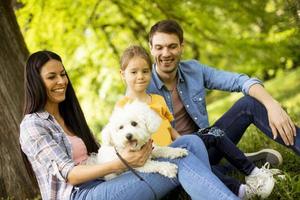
193	79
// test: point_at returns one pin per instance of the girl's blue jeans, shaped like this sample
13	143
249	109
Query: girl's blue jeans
194	175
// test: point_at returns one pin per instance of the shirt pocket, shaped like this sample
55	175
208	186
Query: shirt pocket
199	101
57	136
60	138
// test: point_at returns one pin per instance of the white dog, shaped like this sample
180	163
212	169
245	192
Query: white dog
133	125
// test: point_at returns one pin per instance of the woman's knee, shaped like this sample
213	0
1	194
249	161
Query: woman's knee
191	142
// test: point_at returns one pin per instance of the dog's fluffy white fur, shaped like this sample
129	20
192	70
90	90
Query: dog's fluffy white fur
133	125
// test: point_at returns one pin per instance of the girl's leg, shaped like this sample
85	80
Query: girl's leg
228	150
194	173
232	183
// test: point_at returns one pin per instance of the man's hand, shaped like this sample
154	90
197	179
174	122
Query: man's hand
281	123
279	120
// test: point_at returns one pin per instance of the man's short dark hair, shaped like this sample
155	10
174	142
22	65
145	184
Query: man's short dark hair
166	26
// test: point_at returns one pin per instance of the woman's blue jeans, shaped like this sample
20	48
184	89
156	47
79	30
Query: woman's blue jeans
194	175
234	122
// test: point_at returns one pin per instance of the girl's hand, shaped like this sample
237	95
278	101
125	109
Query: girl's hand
137	158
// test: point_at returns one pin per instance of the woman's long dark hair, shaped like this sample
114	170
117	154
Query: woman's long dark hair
36	98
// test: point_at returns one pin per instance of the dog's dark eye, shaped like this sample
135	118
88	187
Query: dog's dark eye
133	123
121	127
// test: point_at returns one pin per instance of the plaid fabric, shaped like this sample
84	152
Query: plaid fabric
43	141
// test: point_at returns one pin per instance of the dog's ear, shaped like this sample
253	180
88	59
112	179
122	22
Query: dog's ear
153	120
108	130
106	135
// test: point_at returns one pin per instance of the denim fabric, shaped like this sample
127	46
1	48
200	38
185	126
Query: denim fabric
193	79
194	174
217	139
236	120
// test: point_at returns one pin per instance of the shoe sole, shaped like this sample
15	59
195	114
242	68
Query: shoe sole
268	155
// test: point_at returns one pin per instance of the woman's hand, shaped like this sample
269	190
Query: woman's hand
137	158
83	173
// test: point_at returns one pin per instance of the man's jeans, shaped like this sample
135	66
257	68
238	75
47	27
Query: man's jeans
194	175
234	123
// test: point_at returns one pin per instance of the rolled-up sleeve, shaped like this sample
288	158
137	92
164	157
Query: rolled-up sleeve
38	143
227	81
248	83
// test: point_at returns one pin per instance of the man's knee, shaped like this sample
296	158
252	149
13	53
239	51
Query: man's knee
248	102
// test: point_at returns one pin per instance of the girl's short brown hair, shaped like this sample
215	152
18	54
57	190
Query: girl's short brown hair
134	51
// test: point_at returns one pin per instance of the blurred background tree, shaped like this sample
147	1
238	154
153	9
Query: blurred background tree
15	183
257	37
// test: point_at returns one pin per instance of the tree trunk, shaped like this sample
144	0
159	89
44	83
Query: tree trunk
14	181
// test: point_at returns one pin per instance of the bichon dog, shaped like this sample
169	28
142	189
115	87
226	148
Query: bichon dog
132	125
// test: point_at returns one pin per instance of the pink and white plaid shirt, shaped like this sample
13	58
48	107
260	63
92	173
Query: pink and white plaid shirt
44	142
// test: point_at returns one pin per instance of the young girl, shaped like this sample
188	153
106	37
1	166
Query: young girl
56	139
136	72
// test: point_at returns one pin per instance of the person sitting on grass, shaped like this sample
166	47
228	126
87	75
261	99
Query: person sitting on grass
183	85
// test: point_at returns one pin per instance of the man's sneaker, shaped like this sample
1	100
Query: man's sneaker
260	184
266	155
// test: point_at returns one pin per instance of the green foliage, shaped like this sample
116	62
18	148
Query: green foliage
260	38
257	37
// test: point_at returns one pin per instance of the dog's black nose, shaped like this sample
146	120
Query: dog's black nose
129	136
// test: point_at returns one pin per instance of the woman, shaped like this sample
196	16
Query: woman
56	140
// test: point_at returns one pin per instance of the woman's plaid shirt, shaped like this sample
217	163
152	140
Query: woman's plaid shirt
44	142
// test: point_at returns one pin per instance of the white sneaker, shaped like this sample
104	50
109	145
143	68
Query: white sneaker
260	184
266	168
249	193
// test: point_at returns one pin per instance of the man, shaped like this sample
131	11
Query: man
183	84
